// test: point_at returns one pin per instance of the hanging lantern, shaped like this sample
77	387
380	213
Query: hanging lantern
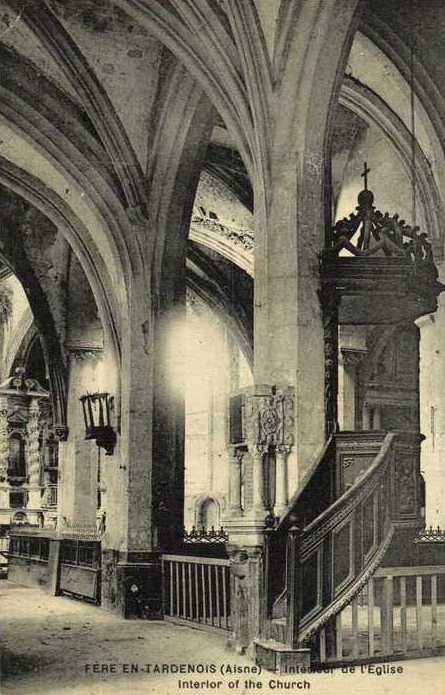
97	415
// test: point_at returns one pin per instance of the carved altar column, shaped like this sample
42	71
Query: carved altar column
4	453
33	455
236	460
20	420
281	492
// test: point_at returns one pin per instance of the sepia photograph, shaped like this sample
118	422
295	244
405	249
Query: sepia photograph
222	347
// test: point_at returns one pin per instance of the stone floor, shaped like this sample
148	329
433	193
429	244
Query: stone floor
54	646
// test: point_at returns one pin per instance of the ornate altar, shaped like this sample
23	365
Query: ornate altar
28	452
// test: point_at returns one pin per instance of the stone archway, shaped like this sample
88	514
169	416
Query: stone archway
19	519
208	513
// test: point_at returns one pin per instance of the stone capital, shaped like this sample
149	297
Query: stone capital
82	353
283	449
61	433
352	357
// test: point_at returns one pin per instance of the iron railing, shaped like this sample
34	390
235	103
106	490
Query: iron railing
205	535
430	535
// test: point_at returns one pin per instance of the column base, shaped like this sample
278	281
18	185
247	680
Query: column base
132	584
279	658
279	511
246	530
258	512
34	498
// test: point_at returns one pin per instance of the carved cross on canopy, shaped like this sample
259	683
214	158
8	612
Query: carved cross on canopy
366	171
381	232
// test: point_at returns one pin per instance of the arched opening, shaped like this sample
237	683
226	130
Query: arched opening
52	352
208	514
33	361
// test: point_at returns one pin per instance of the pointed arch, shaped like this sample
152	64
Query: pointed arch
202	44
57	41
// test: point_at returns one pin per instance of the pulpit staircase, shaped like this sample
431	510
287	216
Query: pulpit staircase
343	576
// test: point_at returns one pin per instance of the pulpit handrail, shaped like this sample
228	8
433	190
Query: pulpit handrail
357	487
305	481
327	524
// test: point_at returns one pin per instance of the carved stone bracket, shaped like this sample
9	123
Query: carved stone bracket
61	432
4	441
352	357
269	419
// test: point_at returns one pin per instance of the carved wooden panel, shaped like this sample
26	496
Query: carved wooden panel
369	525
406	486
342	555
391	381
312	570
355	453
352	467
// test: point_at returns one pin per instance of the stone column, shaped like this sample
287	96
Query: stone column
77	456
4	454
236	459
432	411
51	472
246	564
281	494
168	393
348	384
234	361
289	334
146	496
33	456
292	209
129	555
377	418
366	417
292	206
258	453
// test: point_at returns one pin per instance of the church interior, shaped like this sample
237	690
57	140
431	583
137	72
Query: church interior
222	319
